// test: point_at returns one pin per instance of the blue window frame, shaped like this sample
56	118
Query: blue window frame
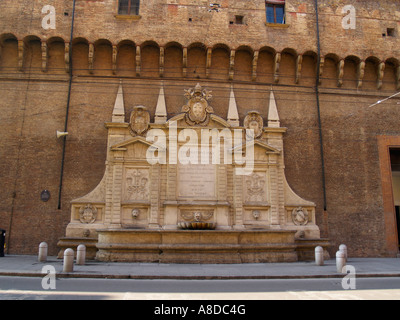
275	13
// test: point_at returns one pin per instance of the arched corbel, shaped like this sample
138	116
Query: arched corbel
232	65
340	73
321	69
277	62
21	49
299	64
255	62
114	58
91	57
162	54
66	56
381	73
138	61
44	56
360	73
208	63
184	62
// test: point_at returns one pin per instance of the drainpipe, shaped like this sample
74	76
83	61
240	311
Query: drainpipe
67	108
318	107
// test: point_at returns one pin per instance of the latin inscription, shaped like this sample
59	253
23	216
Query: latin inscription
196	181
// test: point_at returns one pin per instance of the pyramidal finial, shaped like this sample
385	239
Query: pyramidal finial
273	117
118	114
161	109
233	115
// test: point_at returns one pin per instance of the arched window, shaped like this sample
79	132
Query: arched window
129	7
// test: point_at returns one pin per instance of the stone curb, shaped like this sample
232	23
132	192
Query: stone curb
78	275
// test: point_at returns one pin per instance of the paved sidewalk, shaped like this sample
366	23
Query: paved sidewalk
13	265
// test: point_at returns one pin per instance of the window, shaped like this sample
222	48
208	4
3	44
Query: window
239	19
391	32
275	11
129	7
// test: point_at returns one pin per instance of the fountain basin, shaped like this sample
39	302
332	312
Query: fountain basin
197	225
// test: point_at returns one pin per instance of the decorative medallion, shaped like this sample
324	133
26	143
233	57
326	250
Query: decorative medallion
197	109
88	214
139	121
253	121
300	216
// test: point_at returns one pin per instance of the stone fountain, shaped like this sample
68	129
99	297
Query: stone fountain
167	196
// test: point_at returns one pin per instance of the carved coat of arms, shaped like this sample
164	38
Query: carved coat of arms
300	216
139	121
254	121
88	214
197	109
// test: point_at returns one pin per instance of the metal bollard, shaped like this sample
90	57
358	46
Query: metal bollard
43	249
343	248
319	256
81	255
68	260
340	261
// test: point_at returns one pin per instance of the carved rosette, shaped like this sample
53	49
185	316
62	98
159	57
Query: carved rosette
300	216
88	214
197	111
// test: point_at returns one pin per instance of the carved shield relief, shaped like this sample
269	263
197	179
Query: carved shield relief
254	121
139	121
197	109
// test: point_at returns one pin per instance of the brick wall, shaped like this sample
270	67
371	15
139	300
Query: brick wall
34	98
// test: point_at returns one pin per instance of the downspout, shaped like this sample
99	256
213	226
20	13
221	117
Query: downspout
67	108
318	107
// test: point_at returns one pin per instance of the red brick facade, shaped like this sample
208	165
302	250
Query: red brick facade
181	43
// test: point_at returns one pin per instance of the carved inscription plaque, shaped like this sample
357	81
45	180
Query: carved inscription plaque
196	181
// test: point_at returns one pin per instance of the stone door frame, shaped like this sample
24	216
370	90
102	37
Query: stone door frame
385	144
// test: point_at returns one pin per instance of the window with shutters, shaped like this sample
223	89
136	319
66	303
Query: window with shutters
275	10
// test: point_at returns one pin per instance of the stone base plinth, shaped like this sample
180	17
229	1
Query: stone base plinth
195	246
73	243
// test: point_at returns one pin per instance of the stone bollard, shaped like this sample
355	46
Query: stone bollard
81	255
343	248
43	249
319	256
68	260
340	261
